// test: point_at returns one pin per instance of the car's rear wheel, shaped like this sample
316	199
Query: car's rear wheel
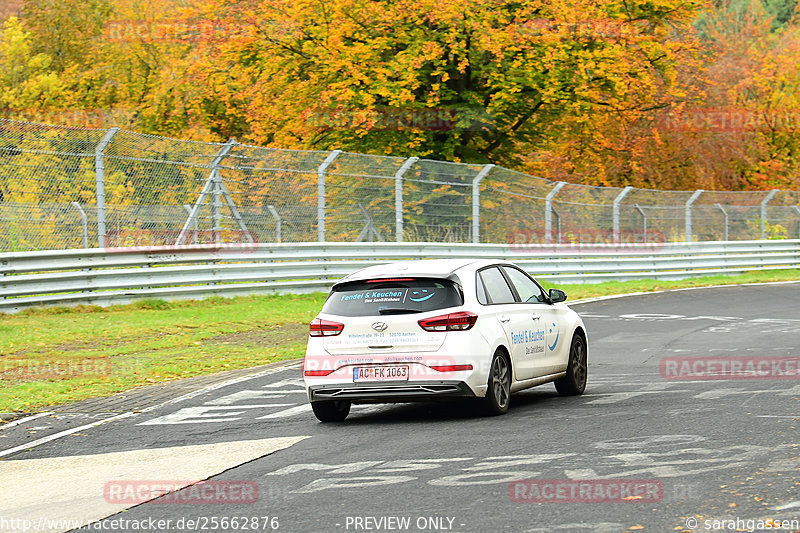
574	383
498	393
331	410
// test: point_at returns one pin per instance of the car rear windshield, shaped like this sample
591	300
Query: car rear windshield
397	296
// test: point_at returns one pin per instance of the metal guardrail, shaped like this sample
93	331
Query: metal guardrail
105	276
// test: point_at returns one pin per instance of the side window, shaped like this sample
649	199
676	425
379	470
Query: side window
497	289
481	290
528	290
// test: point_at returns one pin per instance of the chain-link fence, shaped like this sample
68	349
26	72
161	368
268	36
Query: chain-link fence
75	188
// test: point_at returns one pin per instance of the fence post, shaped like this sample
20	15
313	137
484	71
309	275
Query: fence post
195	228
99	171
84	223
558	224
689	203
213	186
798	223
764	203
398	197
277	217
644	221
321	194
724	214
216	184
548	212
618	200
476	202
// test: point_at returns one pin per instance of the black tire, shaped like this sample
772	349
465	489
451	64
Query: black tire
331	410
574	383
498	392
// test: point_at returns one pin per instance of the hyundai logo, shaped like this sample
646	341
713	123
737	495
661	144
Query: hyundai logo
379	326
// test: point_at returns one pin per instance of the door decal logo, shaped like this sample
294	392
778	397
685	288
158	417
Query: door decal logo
555	342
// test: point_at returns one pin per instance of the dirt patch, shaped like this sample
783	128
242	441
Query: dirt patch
99	343
270	336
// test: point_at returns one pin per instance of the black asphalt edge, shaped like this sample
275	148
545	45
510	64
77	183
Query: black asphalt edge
662	291
141	398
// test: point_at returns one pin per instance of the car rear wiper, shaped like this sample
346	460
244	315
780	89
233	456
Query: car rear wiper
398	311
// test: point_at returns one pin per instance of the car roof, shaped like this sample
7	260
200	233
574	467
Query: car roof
419	268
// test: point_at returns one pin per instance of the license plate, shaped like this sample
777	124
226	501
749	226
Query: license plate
380	373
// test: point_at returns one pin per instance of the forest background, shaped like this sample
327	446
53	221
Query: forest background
664	94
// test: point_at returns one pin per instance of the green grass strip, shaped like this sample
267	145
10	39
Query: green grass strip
58	355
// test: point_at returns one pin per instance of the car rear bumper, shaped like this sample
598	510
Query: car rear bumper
390	392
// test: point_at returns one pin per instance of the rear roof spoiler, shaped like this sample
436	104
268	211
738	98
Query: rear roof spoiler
451	276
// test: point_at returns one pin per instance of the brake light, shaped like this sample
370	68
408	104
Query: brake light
452	368
389	279
318	372
324	328
460	321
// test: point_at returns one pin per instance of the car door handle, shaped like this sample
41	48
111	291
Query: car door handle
534	316
504	319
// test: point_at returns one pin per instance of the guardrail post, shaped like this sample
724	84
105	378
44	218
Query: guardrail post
689	203
277	217
99	171
618	200
84	223
764	203
644	221
476	202
398	197
321	194
724	214
548	212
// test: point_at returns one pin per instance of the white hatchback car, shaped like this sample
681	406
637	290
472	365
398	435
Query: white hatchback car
421	330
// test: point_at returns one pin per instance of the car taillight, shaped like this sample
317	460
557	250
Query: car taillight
324	328
452	322
452	368
317	372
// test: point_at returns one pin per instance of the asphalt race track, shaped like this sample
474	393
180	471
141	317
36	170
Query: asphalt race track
661	449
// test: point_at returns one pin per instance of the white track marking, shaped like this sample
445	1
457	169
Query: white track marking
790	505
23	420
74	488
54	436
50	438
292	411
208	413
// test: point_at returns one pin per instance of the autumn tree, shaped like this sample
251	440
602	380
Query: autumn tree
343	73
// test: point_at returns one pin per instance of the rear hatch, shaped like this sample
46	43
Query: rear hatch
380	316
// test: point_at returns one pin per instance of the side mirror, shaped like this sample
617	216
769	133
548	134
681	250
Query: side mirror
557	295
